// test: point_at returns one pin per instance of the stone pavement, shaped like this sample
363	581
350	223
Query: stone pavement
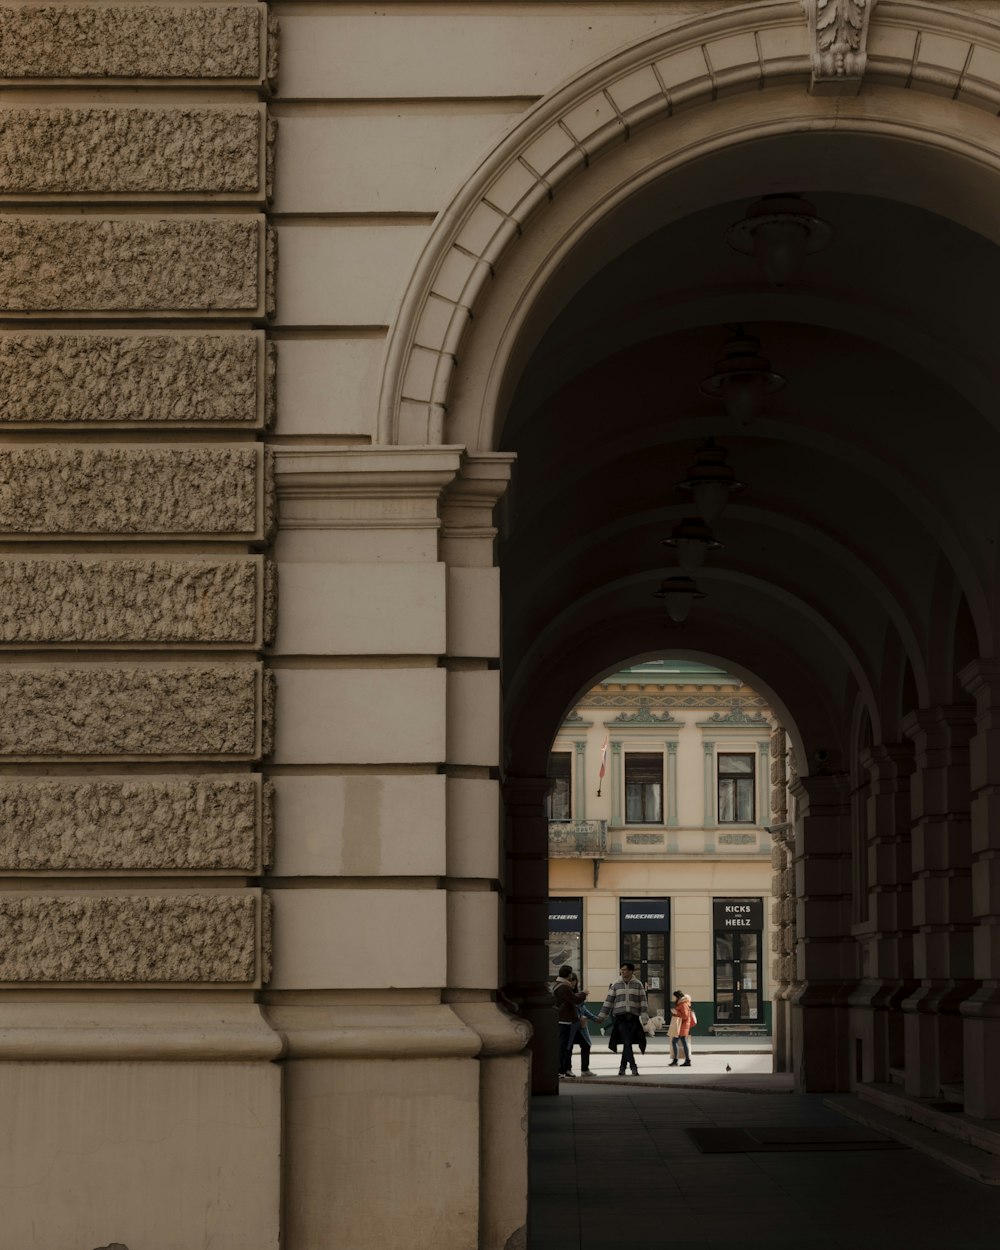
612	1164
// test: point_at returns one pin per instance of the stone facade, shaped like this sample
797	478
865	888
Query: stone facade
106	712
134	824
57	41
129	151
145	379
95	601
131	491
132	266
174	938
449	186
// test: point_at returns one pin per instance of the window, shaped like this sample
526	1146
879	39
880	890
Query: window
561	773
736	789
643	788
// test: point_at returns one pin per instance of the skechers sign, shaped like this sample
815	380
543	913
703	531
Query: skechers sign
645	915
565	915
738	913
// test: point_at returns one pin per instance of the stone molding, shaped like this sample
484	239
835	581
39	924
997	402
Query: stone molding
731	51
219	44
185	937
838	40
134	824
188	265
128	492
123	1030
399	1031
186	378
99	152
134	712
63	601
363	488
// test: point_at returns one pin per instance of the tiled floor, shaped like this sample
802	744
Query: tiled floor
613	1166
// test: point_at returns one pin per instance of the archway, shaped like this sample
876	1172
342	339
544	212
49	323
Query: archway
600	285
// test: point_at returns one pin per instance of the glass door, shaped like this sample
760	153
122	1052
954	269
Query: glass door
737	977
648	951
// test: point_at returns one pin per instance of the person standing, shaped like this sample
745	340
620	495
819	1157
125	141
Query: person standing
683	1014
582	1038
626	1004
568	999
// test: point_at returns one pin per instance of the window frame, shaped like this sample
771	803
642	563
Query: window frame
568	778
645	820
736	778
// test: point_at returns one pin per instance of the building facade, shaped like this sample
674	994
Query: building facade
321	325
665	859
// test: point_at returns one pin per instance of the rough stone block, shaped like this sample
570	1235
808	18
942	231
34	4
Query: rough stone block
188	378
133	151
132	491
183	937
136	711
60	41
133	265
55	600
138	824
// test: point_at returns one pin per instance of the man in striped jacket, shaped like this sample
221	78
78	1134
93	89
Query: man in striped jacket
626	1004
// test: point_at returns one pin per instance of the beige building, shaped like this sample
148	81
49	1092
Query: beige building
659	846
319	324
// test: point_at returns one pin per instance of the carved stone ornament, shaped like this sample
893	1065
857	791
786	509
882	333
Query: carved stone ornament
838	38
737	717
643	717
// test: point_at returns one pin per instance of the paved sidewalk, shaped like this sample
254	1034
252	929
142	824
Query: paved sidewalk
599	1143
711	1057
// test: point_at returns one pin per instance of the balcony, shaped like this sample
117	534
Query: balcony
569	838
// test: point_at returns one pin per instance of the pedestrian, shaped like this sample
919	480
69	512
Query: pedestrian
568	999
582	1034
626	1004
682	1020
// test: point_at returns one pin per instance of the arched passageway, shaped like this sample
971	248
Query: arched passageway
858	576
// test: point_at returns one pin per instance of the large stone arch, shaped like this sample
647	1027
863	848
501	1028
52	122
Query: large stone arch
923	95
950	61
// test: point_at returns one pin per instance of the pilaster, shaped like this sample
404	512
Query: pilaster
942	896
981	1011
826	956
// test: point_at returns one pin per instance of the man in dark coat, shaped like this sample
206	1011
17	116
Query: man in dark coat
626	1004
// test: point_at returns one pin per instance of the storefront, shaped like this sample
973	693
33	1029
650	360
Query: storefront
566	936
645	941
738	944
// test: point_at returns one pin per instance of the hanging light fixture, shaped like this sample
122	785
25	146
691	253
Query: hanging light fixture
779	230
742	378
678	593
711	481
692	540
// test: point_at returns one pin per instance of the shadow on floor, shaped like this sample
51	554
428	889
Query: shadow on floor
614	1166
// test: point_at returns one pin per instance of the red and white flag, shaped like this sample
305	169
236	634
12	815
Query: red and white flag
604	761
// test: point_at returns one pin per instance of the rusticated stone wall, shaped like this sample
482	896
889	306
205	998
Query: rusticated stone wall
137	150
135	497
117	937
128	490
135	378
135	824
111	599
67	265
59	41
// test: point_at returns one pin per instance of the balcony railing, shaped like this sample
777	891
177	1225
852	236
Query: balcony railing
578	837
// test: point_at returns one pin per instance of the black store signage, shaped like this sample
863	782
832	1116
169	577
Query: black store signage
645	915
738	913
565	915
